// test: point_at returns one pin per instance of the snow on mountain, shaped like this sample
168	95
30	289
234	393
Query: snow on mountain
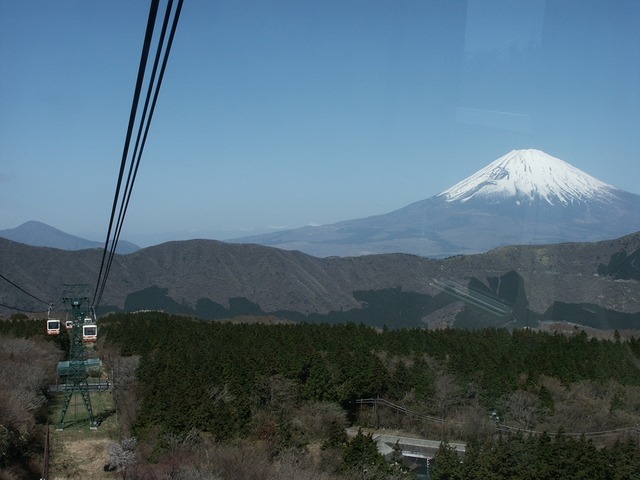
528	176
525	197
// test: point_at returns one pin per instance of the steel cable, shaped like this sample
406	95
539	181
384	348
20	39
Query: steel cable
24	291
153	10
143	130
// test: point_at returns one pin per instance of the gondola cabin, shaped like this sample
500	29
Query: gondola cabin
68	324
89	332
53	327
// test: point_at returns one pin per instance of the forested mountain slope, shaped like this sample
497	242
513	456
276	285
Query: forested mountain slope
280	386
213	279
254	400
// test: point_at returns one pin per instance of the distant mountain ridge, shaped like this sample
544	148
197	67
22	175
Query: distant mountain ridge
525	197
39	234
215	280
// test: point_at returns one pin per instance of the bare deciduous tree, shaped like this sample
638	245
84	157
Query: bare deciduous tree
27	368
125	388
446	393
122	455
520	408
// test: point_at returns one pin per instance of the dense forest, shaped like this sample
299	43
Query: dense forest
245	399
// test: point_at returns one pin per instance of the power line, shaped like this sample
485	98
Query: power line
502	427
145	122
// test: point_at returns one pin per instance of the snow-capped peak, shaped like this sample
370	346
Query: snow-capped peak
529	175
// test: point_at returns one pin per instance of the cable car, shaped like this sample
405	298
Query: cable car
89	332
68	324
90	329
53	326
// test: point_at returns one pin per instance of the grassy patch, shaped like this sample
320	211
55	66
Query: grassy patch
78	451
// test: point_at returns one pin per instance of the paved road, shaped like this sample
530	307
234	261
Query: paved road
411	446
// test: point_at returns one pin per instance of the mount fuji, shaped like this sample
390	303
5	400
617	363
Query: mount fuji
523	197
529	177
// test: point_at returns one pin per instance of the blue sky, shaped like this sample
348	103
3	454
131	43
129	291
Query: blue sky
280	114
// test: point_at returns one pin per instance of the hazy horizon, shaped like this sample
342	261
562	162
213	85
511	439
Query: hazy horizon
292	114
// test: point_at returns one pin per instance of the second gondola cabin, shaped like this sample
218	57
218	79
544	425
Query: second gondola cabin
53	326
89	332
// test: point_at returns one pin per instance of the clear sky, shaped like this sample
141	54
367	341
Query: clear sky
279	114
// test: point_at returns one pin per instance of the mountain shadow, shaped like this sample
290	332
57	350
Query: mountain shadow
622	266
591	315
390	307
501	302
155	298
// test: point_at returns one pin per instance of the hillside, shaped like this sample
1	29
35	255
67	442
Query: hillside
213	279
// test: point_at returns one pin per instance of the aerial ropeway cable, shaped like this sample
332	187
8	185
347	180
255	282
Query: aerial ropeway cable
145	122
114	230
132	116
17	309
23	291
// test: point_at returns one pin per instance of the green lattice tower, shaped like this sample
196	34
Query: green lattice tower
76	381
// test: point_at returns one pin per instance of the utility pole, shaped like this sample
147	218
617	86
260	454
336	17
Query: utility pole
76	297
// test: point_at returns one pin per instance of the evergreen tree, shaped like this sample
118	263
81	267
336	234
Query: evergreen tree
623	461
447	464
361	455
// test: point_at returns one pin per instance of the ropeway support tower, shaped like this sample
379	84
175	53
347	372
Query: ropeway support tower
77	299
